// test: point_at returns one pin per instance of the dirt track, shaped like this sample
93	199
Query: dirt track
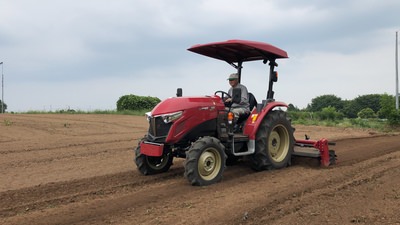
78	169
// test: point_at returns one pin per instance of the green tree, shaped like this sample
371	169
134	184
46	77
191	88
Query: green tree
329	113
394	118
371	101
324	101
4	107
350	109
134	102
293	108
388	110
388	106
366	113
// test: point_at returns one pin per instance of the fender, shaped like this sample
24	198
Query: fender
255	119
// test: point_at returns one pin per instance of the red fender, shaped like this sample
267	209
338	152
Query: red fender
255	119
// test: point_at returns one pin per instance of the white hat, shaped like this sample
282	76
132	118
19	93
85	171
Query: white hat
233	76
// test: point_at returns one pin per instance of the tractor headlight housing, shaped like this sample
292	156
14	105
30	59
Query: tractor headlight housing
170	117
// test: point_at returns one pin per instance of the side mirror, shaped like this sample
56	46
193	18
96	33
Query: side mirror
179	92
236	95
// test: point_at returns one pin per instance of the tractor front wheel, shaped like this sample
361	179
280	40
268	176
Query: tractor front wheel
274	142
205	162
149	165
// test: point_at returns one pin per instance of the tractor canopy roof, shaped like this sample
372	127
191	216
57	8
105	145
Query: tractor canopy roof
233	51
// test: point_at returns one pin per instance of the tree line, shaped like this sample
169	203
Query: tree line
331	107
324	107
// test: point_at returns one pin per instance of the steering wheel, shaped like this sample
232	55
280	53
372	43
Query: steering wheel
224	96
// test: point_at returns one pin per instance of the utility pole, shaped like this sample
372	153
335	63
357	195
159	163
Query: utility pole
397	73
2	88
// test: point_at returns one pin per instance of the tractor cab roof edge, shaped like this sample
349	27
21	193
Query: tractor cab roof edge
233	51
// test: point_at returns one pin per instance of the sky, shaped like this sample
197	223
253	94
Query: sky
85	55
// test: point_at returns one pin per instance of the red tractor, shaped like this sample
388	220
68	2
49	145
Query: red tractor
201	129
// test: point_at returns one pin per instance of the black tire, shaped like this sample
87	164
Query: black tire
149	165
205	162
274	142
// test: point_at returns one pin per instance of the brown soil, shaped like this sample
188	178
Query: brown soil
79	169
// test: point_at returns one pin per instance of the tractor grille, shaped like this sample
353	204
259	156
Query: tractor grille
158	128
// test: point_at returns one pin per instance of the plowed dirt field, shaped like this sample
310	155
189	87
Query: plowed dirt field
79	169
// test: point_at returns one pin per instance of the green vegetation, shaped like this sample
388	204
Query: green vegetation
7	122
134	102
4	107
323	101
376	124
376	111
367	111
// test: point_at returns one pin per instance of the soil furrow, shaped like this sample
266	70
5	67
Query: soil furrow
338	180
66	146
78	169
62	193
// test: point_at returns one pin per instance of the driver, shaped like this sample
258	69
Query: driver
243	106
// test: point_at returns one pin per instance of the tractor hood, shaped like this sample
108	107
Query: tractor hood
176	104
233	51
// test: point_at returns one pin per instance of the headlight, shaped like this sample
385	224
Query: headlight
170	117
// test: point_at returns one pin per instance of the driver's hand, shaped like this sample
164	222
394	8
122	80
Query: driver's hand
228	100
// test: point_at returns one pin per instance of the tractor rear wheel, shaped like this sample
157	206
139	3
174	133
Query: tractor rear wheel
149	165
205	162
274	142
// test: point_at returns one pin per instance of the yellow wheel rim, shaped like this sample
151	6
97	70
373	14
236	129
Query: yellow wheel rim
209	164
278	143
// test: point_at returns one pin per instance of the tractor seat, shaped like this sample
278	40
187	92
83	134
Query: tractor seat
252	101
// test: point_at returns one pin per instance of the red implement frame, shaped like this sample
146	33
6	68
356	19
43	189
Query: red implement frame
321	145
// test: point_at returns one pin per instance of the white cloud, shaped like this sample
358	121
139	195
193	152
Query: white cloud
348	76
105	49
